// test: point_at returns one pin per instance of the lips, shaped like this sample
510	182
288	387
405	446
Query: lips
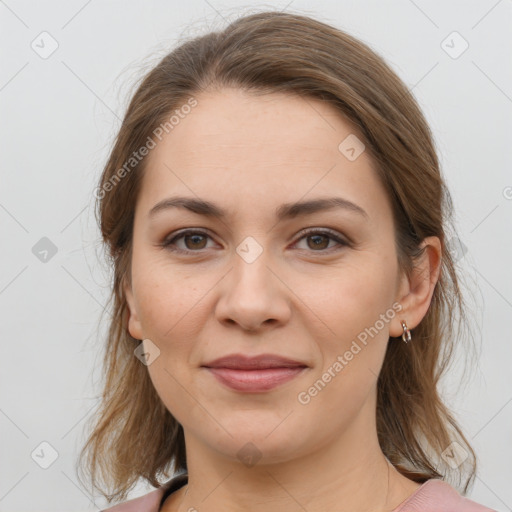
261	362
254	374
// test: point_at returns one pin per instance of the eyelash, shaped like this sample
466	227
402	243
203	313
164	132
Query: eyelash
169	243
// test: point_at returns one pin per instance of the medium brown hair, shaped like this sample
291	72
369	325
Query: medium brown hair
134	435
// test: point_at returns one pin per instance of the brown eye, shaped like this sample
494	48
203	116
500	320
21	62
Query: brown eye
194	241
318	241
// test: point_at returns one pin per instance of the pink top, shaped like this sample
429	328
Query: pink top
432	496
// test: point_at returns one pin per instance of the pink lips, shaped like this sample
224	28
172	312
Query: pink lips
254	374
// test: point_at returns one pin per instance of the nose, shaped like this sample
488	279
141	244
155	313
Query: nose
253	296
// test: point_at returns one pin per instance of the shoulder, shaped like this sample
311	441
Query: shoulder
148	503
151	501
438	496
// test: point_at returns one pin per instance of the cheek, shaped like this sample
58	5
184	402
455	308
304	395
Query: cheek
359	311
171	385
172	319
165	298
172	309
357	296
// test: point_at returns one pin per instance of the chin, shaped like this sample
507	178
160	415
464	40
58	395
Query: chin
258	439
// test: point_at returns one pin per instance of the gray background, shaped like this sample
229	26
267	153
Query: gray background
59	116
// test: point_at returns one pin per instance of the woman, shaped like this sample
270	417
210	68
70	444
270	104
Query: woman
283	292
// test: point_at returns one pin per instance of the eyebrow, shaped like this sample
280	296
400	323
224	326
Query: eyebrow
285	211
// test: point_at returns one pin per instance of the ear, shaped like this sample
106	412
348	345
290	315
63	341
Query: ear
415	293
134	325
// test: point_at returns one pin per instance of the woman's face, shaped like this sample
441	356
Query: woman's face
254	282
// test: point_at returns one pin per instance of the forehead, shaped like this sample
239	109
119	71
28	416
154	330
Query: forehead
284	126
258	151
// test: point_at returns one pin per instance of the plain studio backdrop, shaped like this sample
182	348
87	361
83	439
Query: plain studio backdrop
66	75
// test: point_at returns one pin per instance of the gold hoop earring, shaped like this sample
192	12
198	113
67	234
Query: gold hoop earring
406	336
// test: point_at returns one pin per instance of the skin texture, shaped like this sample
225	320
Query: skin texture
303	297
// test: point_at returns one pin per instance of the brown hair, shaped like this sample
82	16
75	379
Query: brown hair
134	435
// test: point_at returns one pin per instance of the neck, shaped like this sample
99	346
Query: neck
349	473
